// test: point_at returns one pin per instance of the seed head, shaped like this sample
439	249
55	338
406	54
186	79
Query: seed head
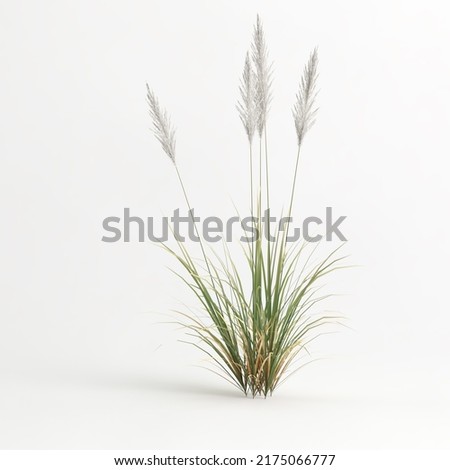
304	112
162	127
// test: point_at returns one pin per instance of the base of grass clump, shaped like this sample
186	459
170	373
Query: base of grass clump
254	337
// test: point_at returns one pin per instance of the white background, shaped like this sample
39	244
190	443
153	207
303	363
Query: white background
84	362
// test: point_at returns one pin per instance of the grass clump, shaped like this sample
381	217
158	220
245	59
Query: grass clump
258	321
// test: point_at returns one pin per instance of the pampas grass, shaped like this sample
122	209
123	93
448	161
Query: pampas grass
258	321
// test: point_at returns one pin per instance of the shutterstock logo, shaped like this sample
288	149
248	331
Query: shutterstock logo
215	229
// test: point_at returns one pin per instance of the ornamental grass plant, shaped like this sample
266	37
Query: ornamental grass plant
255	322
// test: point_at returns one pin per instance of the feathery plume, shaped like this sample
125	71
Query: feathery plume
263	75
247	105
162	127
304	113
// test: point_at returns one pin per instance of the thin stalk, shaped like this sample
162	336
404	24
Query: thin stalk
253	298
252	210
269	276
251	177
269	265
260	170
195	225
267	169
294	181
